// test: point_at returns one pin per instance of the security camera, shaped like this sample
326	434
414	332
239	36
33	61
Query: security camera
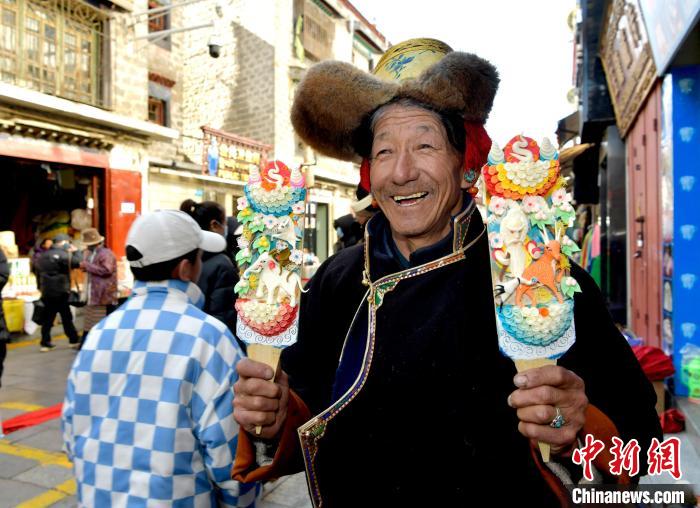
215	44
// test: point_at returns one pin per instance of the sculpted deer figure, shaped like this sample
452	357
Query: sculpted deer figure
542	272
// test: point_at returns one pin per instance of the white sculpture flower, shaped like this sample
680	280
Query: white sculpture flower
242	242
257	220
299	207
280	245
497	205
270	221
560	196
531	204
495	240
296	256
243	203
541	215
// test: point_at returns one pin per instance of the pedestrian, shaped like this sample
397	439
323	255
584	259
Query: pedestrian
38	250
349	232
415	405
53	268
219	275
4	332
100	265
147	417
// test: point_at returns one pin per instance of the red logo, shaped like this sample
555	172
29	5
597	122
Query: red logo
584	456
626	457
665	457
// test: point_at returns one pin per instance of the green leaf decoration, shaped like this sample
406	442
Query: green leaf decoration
540	223
246	215
564	216
568	290
244	256
241	287
262	243
569	249
257	227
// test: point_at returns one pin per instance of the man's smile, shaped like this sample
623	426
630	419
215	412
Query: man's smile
409	199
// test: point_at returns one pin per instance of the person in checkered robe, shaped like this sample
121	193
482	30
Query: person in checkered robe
148	417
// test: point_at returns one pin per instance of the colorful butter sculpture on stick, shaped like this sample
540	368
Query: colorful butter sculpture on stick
269	260
528	212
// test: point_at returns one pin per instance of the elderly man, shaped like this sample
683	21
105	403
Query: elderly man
397	354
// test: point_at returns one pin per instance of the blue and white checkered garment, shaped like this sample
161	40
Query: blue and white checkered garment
148	414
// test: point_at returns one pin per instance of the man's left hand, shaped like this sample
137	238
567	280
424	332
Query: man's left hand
542	390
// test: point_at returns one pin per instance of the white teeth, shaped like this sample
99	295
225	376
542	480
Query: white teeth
412	196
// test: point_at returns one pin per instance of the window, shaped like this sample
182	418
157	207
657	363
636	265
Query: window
157	109
159	21
160	92
53	46
314	29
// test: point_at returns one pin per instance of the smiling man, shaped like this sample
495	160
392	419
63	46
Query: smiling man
397	355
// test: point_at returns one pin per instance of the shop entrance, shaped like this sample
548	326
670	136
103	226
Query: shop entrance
42	199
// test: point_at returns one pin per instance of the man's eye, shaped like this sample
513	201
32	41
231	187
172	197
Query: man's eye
385	151
424	146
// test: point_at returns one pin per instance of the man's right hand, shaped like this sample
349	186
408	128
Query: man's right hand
258	400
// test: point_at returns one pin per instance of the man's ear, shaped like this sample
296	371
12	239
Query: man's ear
467	177
463	183
184	270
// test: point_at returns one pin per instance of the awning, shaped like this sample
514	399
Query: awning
567	155
568	128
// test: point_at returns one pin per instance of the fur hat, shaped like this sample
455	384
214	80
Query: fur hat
334	98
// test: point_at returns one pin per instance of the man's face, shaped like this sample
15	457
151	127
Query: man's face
415	174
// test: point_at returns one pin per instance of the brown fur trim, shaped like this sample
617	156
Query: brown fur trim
331	102
459	82
334	98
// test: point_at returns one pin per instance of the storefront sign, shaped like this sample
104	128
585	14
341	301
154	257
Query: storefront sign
229	156
627	60
668	24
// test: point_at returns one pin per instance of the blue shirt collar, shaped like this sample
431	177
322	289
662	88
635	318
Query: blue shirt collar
188	290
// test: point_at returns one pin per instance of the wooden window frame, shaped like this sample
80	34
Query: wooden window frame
59	48
160	107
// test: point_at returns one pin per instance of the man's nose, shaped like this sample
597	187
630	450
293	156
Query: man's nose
405	169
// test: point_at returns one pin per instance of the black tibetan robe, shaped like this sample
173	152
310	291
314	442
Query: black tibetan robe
409	387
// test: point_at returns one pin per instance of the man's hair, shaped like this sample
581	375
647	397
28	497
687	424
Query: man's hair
156	271
205	212
452	121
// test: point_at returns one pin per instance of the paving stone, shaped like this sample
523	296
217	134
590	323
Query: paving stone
11	466
289	492
46	476
48	439
68	502
14	492
24	433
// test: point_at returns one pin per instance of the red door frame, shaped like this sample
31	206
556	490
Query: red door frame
123	206
644	220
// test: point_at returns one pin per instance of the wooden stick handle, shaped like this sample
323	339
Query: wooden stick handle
269	355
522	365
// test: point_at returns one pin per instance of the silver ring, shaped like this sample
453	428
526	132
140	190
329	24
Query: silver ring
558	421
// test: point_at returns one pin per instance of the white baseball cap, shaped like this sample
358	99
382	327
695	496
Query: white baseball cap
168	234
